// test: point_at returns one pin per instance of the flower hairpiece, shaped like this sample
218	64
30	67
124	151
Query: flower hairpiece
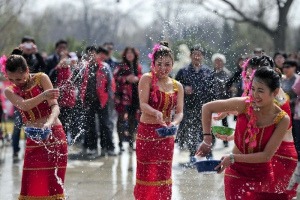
154	78
3	60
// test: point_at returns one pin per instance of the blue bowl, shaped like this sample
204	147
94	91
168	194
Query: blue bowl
36	133
166	131
207	166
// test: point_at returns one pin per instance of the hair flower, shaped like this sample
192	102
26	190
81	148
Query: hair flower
3	60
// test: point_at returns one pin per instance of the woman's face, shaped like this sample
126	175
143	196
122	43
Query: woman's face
261	93
279	59
218	64
129	55
163	66
18	78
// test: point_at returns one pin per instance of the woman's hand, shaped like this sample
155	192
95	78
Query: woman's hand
132	78
221	137
47	125
159	117
204	149
220	116
225	162
51	94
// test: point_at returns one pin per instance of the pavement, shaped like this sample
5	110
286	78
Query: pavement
113	177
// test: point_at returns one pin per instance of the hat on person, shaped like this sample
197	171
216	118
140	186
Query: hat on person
28	38
218	56
73	56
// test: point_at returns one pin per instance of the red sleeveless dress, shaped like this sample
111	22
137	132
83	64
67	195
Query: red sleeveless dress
250	181
45	161
284	163
155	154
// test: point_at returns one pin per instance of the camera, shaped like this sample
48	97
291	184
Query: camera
28	46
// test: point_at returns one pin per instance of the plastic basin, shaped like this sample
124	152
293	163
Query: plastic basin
222	130
207	166
166	131
36	133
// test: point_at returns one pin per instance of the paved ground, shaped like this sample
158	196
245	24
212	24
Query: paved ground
113	178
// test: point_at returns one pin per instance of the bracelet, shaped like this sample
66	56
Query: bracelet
231	158
206	143
208	134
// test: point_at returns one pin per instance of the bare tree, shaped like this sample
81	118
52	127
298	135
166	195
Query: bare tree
257	17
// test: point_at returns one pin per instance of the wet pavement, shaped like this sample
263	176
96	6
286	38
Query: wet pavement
113	178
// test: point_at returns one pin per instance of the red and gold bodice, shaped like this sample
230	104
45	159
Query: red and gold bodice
166	100
262	136
42	109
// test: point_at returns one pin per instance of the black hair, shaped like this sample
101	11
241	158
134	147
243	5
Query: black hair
61	41
90	48
101	49
16	61
261	61
280	53
163	50
291	62
28	38
268	76
197	47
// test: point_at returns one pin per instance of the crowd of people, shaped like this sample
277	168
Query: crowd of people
83	98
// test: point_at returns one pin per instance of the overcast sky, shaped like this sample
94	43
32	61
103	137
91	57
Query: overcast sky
146	7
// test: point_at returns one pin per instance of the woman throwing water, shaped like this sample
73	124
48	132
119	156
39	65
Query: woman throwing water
159	95
45	161
260	128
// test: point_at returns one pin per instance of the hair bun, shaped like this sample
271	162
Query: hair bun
164	43
17	51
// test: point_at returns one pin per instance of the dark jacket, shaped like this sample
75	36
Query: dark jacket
52	61
35	62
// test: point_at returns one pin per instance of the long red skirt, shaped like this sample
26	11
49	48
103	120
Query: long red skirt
45	167
284	163
154	164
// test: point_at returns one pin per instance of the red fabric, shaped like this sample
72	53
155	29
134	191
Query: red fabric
123	90
154	164
67	89
247	180
41	110
101	85
41	160
286	107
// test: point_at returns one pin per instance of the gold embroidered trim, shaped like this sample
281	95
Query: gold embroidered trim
38	79
155	139
45	168
233	176
279	117
285	157
247	106
48	144
175	86
154	183
167	101
157	162
53	197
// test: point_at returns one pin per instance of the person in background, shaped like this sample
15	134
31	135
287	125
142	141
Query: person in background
45	161
198	83
53	60
279	58
111	61
96	89
61	78
159	95
258	51
127	75
221	77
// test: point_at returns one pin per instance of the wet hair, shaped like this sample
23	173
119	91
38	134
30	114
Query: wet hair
16	62
101	49
59	42
135	53
163	50
197	47
269	77
28	38
90	48
261	61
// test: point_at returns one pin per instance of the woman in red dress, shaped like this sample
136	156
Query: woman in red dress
285	159
159	95
260	128
45	161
